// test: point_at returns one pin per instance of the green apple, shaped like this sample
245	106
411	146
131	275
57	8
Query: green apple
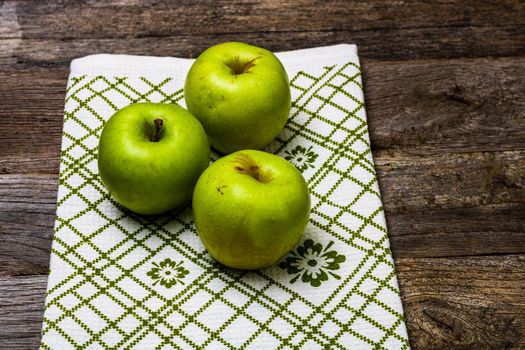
151	155
250	209
241	95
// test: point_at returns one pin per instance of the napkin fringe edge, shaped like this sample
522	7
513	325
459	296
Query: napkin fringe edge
141	65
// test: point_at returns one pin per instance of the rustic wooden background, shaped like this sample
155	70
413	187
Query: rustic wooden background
445	92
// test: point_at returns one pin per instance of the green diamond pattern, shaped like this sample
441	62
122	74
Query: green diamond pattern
122	281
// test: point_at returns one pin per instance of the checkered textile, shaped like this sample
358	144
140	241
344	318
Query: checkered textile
124	281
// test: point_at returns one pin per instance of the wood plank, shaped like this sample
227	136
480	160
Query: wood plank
21	311
165	18
31	119
446	105
454	204
450	181
464	303
378	44
446	205
59	31
420	107
460	303
480	230
27	215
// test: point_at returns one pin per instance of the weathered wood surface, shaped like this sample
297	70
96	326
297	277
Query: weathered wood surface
32	102
21	311
53	34
464	303
445	92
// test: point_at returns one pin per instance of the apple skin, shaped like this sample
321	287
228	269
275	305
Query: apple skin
250	209
238	111
152	177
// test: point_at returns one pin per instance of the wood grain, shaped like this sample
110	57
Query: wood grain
446	105
21	311
165	18
31	119
454	204
27	215
62	30
464	303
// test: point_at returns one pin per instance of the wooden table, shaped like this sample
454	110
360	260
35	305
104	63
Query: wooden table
445	93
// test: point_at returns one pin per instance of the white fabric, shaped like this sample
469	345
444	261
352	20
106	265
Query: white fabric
108	286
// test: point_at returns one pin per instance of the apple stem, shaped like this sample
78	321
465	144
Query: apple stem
156	130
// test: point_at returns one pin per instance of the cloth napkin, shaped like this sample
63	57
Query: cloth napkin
123	281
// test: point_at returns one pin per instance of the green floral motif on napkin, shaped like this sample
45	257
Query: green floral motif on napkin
302	157
168	273
313	263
